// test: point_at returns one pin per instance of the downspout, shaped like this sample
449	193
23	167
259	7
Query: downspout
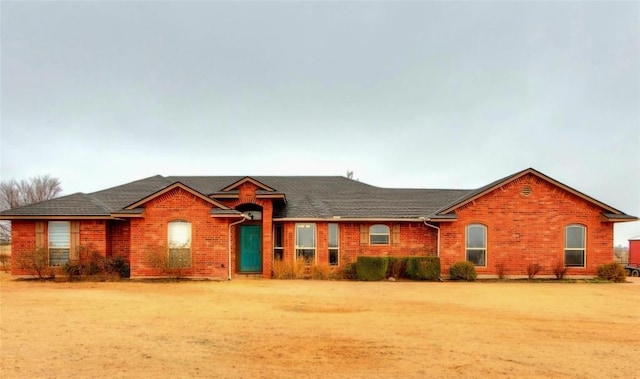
244	218
424	220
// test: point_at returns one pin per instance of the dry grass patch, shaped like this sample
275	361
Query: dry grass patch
291	329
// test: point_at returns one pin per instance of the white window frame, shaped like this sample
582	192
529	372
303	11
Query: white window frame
301	249
373	233
280	248
179	247
59	245
583	248
335	248
468	248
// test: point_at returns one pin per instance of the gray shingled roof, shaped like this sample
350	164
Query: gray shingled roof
119	197
329	196
78	204
306	197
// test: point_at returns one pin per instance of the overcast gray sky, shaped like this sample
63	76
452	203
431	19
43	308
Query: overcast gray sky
406	94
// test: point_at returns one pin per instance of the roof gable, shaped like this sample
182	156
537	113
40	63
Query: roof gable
501	182
170	188
238	183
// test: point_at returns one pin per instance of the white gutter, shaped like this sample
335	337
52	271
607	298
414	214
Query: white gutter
244	218
424	220
354	219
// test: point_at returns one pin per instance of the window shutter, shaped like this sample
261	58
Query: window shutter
39	235
364	234
396	234
74	248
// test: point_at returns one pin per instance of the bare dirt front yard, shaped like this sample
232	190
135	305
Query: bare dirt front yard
309	329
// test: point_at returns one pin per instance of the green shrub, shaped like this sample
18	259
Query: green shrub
396	267
463	271
118	265
422	268
612	271
349	271
73	269
371	268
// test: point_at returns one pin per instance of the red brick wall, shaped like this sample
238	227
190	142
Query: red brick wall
208	235
525	230
119	238
93	238
415	239
23	241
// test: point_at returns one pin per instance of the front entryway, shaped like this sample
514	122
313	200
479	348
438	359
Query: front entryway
250	248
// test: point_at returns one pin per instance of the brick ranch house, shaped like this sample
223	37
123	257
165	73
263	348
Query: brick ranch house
224	226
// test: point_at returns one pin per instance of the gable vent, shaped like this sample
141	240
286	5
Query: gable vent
526	191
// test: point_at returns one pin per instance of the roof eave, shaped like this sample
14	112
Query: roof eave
56	217
612	217
355	219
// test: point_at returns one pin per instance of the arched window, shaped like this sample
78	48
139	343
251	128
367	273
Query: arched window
379	234
574	245
179	244
476	244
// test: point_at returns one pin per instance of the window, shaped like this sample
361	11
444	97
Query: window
334	244
179	244
476	245
278	247
379	235
59	242
574	246
306	242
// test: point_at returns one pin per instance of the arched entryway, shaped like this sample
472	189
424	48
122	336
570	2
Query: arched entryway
249	240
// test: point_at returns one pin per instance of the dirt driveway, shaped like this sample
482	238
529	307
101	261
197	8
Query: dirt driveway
312	329
633	280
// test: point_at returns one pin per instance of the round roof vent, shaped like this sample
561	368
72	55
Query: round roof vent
526	191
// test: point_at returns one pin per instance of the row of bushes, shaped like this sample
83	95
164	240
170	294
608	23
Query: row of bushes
414	268
98	267
365	268
609	271
91	265
428	268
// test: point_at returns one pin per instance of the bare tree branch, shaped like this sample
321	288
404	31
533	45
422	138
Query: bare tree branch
14	194
5	230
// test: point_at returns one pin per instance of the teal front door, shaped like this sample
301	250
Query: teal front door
250	248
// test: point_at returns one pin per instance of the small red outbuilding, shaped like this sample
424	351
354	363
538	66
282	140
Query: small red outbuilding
634	251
